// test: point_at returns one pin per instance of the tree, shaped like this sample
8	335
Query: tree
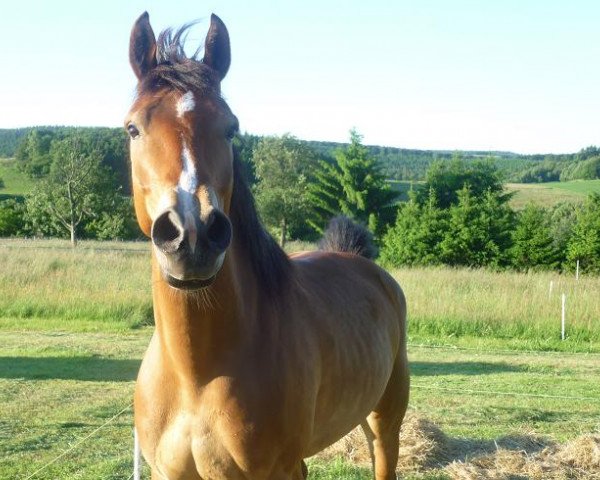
33	153
354	186
11	218
448	178
562	220
282	169
416	236
76	189
478	231
533	244
584	244
324	194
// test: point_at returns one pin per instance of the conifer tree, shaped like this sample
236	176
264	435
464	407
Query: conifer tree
416	236
584	244
533	245
354	186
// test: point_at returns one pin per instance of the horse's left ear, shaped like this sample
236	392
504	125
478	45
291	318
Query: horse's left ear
142	47
217	52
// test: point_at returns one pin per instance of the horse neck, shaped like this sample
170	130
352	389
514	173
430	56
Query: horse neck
198	330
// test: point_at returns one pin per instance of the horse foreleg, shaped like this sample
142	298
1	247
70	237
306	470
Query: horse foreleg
382	426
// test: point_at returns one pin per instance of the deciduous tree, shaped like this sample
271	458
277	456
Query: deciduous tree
76	189
282	168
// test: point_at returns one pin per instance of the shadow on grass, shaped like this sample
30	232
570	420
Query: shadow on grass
92	369
426	369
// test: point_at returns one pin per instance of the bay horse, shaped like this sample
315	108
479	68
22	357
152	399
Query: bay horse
258	360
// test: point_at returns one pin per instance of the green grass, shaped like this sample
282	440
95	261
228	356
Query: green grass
548	194
15	183
72	335
47	286
490	309
57	388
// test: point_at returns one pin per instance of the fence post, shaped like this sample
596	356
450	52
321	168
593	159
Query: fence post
562	322
577	271
137	457
550	290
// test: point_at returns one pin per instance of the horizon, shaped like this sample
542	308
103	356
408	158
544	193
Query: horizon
342	142
440	76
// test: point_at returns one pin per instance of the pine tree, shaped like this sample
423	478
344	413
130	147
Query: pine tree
533	245
478	231
416	236
354	186
584	244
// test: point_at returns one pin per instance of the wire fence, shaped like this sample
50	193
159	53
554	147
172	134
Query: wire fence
462	391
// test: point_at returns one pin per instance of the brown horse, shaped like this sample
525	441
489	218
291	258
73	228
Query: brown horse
258	360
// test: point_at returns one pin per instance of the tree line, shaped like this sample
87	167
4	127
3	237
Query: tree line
460	216
395	163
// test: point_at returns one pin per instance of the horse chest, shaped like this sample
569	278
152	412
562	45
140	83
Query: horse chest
191	448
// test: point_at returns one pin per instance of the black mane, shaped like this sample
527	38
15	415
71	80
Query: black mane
270	263
177	71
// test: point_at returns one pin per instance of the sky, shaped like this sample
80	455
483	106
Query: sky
491	75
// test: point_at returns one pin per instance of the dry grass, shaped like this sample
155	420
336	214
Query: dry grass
425	449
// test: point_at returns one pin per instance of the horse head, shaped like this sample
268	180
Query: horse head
181	133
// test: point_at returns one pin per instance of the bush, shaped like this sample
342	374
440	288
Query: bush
12	218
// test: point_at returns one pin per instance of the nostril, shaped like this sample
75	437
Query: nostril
218	231
167	233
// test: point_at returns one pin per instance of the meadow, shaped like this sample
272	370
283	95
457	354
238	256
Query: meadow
16	183
495	392
552	193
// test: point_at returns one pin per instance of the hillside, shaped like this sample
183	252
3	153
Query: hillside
16	183
396	163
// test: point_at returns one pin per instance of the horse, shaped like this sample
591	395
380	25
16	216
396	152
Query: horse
258	359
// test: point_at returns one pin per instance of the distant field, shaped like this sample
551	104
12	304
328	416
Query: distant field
548	194
403	187
15	183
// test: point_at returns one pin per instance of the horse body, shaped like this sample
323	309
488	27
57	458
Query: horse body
257	361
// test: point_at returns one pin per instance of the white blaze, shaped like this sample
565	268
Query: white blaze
186	103
186	188
188	180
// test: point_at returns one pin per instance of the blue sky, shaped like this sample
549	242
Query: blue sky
510	75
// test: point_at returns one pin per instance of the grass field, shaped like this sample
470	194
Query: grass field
548	194
58	388
15	183
461	307
491	378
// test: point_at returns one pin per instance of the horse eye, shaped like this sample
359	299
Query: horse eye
133	131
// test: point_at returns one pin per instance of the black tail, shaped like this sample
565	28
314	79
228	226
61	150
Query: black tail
343	235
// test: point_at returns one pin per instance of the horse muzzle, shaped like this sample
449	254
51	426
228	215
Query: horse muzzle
190	251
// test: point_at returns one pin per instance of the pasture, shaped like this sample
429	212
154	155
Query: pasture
494	387
16	183
549	194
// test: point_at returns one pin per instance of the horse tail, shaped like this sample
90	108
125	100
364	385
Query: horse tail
344	235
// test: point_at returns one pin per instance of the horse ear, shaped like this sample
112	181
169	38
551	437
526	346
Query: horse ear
142	47
217	52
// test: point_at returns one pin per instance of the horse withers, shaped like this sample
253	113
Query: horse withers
257	360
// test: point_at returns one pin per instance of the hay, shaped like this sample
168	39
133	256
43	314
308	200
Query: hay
425	448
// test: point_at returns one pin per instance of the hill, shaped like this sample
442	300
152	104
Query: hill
397	163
